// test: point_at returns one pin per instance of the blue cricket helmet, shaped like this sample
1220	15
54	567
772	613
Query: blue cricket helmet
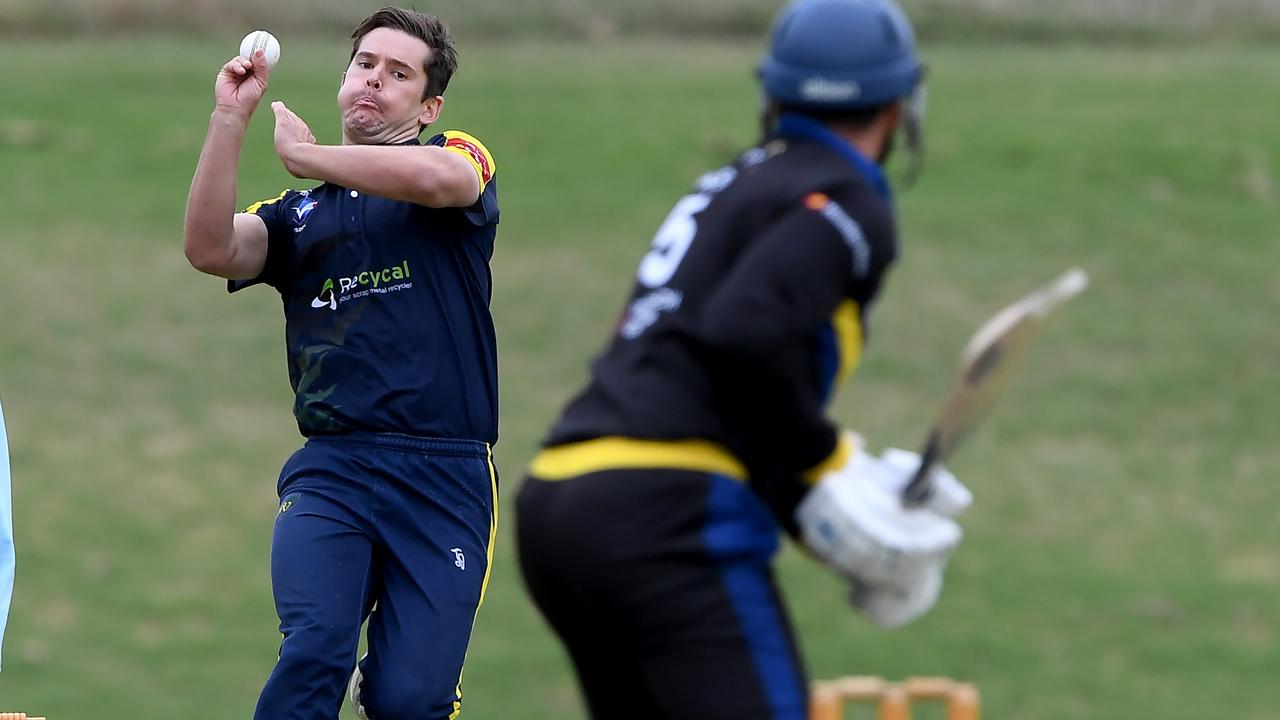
840	54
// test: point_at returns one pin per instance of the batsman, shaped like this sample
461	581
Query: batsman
649	520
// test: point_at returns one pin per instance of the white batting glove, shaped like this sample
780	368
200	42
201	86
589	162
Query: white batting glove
855	521
896	605
892	606
949	496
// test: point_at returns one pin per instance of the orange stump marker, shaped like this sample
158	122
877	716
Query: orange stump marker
894	699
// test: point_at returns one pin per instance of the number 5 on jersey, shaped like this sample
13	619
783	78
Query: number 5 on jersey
672	241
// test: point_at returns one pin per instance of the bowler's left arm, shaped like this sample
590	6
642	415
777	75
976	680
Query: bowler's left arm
424	175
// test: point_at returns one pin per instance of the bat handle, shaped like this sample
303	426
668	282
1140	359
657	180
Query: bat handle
920	488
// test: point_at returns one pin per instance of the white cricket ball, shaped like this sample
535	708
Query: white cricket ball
264	41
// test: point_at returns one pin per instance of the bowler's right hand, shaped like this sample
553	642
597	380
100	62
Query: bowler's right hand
241	84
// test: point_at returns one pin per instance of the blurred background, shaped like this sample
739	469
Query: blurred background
1121	559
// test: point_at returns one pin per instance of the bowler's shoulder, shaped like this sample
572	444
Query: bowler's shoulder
454	138
284	199
460	141
471	149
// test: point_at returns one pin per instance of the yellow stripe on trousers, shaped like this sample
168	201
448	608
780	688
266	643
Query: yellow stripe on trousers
488	568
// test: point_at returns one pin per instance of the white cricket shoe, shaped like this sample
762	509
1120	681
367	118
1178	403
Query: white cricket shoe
353	691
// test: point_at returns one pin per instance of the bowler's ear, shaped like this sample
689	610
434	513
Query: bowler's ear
431	108
342	80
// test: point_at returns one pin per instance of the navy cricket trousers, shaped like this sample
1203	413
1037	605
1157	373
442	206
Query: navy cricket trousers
391	528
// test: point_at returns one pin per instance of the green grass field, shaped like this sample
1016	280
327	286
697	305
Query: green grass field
1121	560
1041	20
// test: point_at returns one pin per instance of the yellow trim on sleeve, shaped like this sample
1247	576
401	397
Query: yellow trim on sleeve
846	445
618	453
270	201
474	151
847	322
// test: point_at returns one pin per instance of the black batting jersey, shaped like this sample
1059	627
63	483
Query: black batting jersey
750	306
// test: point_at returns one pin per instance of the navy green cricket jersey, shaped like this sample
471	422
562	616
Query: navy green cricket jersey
750	307
386	305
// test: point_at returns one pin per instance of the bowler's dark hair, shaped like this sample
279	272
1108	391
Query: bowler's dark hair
442	60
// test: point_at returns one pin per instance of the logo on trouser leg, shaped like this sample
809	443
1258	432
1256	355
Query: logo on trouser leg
287	503
459	560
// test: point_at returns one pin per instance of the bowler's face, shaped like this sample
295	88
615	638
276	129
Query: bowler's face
381	94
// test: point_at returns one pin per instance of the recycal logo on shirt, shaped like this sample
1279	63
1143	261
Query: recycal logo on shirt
362	284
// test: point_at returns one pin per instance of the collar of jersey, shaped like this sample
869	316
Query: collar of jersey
791	125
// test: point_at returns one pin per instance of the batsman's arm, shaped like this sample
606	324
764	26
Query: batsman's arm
805	282
759	325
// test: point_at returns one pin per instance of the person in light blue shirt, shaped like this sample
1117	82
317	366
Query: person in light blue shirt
6	533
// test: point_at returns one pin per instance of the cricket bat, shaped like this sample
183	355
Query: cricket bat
986	365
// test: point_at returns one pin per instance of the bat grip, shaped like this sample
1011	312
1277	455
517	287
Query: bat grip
920	488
